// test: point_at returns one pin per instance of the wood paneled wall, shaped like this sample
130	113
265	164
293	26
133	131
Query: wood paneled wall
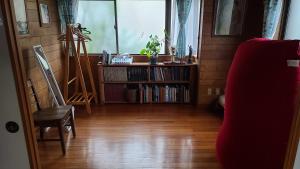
47	37
214	61
217	52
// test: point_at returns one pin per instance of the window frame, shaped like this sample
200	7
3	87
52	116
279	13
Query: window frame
167	26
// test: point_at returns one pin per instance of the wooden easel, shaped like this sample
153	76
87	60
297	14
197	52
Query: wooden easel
79	97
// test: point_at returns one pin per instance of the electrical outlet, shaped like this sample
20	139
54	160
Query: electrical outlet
218	91
209	91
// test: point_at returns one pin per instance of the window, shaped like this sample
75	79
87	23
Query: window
135	23
192	26
124	26
137	20
99	18
293	23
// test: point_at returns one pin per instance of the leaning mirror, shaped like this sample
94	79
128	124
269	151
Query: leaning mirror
229	17
21	18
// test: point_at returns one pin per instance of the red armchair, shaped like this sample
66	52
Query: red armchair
260	99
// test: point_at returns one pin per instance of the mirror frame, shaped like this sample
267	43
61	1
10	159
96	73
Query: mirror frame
215	9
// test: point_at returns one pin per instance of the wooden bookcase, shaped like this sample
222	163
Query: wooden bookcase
149	84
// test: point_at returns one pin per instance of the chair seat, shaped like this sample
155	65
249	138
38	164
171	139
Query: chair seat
59	117
52	114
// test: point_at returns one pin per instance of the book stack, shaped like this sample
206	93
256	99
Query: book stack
169	73
165	94
115	74
137	74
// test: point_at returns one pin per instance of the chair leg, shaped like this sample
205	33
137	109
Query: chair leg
61	136
73	125
42	133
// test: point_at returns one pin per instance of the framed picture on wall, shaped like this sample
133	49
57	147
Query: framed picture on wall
19	8
44	13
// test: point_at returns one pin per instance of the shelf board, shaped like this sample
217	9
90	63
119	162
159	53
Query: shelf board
124	102
149	82
147	64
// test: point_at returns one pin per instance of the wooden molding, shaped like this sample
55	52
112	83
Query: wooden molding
284	17
19	76
293	141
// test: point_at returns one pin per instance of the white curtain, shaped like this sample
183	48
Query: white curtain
191	29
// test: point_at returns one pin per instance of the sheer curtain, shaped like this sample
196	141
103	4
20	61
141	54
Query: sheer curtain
191	26
272	14
67	10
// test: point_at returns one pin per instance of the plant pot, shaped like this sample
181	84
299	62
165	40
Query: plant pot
153	59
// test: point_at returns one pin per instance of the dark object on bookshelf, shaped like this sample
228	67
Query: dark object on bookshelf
106	58
115	93
146	83
153	59
132	95
190	55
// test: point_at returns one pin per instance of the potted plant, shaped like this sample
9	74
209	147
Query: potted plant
152	49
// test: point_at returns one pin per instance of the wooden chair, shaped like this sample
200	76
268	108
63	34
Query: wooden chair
59	117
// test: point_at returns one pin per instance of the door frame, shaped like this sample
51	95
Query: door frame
293	143
20	82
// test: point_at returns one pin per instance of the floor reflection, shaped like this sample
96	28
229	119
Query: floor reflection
157	137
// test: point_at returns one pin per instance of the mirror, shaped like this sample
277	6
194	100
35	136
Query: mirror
21	18
229	17
48	74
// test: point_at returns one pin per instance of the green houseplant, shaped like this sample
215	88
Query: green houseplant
152	49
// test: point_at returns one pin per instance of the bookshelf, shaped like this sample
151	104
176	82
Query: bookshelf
148	84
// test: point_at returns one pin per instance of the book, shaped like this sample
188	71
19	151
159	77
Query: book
166	94
170	74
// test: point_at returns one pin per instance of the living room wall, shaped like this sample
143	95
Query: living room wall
47	37
217	52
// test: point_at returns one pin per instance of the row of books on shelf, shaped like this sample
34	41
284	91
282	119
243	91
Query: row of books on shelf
170	73
112	74
124	74
165	94
147	93
137	74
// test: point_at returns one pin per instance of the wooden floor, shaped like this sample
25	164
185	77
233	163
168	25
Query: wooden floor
136	137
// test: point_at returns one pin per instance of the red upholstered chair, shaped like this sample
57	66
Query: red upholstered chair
260	103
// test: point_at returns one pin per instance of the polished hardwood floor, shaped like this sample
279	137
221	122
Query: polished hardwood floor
137	137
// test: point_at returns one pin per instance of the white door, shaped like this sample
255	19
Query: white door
13	151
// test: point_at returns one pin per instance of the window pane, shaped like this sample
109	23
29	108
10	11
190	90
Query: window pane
137	20
292	30
99	18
